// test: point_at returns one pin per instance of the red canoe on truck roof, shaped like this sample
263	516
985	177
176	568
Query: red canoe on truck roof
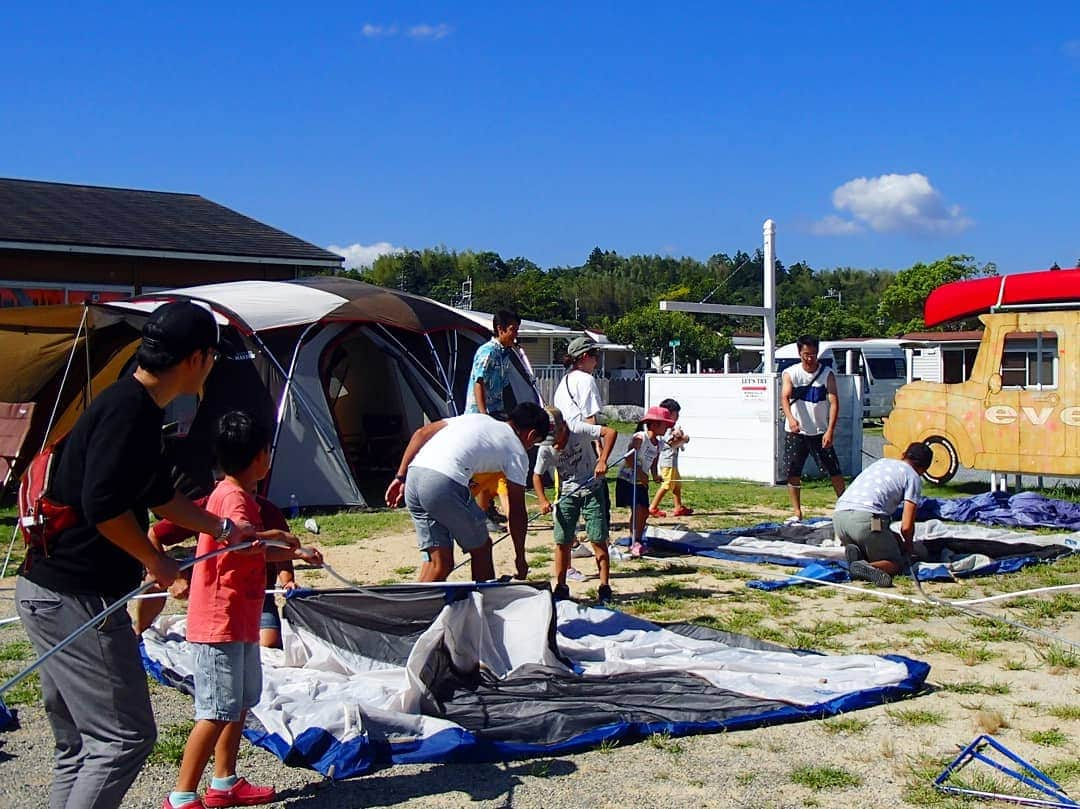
976	296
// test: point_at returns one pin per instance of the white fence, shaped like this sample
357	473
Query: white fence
736	426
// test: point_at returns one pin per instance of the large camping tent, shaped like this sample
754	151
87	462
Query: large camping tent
344	371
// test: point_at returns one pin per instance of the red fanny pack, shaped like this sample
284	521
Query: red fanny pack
40	517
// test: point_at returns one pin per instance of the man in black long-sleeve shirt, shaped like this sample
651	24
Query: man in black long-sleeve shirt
111	471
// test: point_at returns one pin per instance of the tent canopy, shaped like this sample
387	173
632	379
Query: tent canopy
343	371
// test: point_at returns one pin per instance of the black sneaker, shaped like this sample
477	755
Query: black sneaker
561	593
494	515
603	595
867	572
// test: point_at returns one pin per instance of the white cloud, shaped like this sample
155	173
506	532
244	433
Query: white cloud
363	255
833	225
420	31
905	203
372	31
425	31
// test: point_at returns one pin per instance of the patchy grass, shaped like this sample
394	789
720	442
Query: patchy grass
917	716
348	527
988	630
25	692
16	650
818	778
663	741
897	612
822	635
1059	656
607	745
1070	711
1066	773
975	687
405	570
169	747
969	653
845	724
1049	738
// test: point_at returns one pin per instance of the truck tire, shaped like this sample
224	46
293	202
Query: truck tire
945	463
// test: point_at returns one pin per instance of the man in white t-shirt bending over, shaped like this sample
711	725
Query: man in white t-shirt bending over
433	480
811	407
864	512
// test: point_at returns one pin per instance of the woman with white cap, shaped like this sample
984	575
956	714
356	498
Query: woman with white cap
577	395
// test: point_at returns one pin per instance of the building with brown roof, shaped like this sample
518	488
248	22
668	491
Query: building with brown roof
63	243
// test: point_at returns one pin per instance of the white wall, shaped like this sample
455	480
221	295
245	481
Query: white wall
735	424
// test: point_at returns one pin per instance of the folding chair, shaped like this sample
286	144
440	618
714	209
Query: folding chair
15	418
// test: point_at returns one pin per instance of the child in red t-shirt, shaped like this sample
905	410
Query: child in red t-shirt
223	625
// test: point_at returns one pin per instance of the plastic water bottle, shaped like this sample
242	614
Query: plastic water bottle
294	507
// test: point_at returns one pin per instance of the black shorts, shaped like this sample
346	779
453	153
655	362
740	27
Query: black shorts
625	492
798	446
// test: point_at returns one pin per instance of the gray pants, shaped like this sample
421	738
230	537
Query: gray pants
95	695
856	528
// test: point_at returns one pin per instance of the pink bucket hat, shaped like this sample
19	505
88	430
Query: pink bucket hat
657	413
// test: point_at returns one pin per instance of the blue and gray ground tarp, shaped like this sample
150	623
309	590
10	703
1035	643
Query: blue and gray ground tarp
947	550
451	673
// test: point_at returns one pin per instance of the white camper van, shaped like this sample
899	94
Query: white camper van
882	364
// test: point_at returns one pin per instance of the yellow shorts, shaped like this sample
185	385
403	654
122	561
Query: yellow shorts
671	478
489	483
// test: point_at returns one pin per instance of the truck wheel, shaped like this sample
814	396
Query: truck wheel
945	462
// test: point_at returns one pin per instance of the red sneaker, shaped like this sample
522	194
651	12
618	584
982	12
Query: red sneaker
655	512
195	804
682	511
241	794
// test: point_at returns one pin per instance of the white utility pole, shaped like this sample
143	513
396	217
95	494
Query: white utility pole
767	311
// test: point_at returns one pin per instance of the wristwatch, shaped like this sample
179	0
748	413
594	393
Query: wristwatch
225	530
399	478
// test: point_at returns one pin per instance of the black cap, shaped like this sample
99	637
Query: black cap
919	454
180	328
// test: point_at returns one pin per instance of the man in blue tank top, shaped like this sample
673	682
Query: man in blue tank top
811	407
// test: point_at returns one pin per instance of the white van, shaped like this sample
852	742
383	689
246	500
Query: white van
882	364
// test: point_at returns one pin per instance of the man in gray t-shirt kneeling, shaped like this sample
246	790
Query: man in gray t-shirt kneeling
863	514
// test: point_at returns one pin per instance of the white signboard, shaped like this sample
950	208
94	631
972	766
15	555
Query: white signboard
735	424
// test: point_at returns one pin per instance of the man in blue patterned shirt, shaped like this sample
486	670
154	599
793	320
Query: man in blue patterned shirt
491	366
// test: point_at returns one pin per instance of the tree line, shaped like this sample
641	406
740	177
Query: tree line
618	295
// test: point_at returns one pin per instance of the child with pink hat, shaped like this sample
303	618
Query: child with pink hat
632	484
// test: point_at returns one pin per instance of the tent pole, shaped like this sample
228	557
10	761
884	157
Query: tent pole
328	445
56	408
285	391
67	370
451	405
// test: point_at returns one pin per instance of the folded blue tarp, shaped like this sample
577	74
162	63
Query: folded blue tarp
1026	509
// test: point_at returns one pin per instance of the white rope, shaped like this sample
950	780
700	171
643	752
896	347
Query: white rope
121	602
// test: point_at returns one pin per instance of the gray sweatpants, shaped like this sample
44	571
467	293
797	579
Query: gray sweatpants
95	695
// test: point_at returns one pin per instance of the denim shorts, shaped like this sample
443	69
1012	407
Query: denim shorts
228	679
269	618
443	510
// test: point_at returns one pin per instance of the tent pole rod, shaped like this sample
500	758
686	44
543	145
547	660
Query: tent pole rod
328	445
64	378
451	405
285	391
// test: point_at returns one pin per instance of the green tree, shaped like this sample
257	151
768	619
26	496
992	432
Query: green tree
901	305
824	317
649	331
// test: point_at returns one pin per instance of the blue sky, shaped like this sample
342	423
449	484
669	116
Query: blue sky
875	134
